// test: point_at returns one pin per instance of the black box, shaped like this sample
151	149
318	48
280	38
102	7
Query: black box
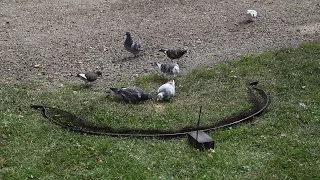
202	142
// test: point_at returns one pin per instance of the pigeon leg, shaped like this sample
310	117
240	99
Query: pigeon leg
88	84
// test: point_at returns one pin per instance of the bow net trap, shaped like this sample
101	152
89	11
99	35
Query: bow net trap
257	97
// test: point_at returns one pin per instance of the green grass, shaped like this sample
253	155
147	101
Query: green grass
281	144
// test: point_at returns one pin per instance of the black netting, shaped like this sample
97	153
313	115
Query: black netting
258	98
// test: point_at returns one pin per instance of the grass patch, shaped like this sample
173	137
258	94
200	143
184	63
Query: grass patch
283	143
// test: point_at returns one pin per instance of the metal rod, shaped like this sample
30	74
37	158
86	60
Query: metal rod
198	123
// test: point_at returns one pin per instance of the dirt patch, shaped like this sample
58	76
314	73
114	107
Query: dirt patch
55	40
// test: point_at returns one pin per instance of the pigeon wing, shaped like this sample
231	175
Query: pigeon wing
164	68
116	91
143	94
136	46
91	76
168	67
82	76
130	94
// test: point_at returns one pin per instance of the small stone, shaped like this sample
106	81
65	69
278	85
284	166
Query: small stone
302	104
37	65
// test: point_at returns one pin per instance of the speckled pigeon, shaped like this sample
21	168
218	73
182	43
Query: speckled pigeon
251	14
174	53
89	76
168	68
132	46
134	94
166	91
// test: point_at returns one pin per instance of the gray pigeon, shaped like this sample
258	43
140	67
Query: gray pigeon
166	91
131	94
168	68
132	46
89	76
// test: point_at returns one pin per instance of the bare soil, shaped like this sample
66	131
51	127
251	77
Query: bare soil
53	40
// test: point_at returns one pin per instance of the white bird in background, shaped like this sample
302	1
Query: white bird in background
166	91
251	15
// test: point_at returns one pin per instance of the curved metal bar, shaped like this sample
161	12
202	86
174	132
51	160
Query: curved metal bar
176	133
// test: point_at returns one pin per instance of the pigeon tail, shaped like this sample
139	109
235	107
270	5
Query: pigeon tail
128	39
114	90
82	76
171	82
164	51
109	91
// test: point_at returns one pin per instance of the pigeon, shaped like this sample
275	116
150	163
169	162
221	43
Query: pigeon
173	53
134	94
166	91
132	46
251	14
89	76
168	68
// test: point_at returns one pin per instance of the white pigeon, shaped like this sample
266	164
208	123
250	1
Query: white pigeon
166	91
251	14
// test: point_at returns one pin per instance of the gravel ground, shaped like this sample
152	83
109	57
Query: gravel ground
52	40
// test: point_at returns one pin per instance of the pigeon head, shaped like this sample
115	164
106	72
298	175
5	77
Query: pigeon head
128	34
99	73
175	70
146	96
159	96
150	97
